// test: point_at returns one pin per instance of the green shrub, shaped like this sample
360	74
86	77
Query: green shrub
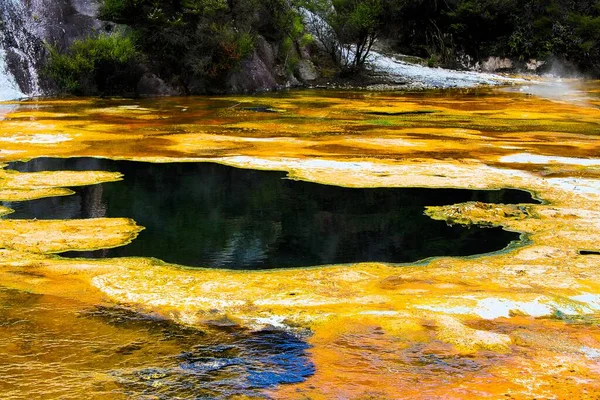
103	64
433	61
522	29
196	43
232	47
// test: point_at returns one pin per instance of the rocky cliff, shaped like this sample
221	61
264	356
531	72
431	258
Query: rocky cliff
26	25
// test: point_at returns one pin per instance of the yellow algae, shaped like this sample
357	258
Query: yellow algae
5	211
368	364
41	138
32	194
34	114
33	273
288	128
508	324
17	186
54	236
127	110
323	295
54	179
468	340
477	213
500	135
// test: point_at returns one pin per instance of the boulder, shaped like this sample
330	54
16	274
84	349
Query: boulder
494	64
253	75
305	71
151	85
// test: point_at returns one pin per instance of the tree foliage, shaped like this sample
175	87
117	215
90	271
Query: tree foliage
196	43
104	64
520	29
346	29
188	41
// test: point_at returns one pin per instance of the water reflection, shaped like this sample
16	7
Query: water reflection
204	214
51	349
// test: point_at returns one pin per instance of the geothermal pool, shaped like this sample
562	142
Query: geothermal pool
303	244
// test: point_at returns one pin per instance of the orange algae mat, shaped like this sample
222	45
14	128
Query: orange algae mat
522	323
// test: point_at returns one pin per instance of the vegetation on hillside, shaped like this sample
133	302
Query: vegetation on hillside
191	44
520	29
346	29
96	65
196	44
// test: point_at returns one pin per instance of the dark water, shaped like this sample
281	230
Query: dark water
210	215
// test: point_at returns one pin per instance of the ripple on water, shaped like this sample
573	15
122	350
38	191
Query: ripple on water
117	353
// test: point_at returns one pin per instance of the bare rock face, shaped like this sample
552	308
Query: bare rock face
534	65
26	26
86	7
152	85
266	51
63	21
305	70
496	64
253	75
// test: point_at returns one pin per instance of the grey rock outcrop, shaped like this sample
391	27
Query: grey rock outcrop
266	52
252	76
497	64
305	70
151	85
26	26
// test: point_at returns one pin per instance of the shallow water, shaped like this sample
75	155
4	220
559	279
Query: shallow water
117	353
104	329
217	216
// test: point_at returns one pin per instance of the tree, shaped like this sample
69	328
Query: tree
102	64
196	44
358	24
346	29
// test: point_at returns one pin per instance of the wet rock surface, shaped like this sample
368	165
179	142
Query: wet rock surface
27	25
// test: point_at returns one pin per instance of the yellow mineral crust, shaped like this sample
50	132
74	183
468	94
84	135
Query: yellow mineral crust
5	211
32	194
46	179
17	186
55	236
521	323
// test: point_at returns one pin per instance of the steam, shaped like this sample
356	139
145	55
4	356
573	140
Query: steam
563	70
561	82
570	91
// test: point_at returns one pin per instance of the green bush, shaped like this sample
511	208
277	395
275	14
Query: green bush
195	44
522	29
103	64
